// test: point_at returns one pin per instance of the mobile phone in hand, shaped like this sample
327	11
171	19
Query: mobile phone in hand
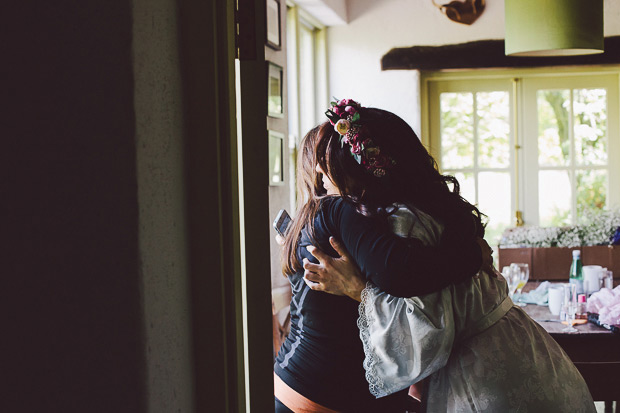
281	222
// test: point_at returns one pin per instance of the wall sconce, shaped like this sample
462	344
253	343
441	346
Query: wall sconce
553	27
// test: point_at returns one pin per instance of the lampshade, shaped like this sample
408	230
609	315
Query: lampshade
553	27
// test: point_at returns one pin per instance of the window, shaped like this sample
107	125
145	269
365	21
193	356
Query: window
307	77
532	144
569	125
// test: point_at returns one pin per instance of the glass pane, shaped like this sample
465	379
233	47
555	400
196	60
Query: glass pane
493	129
591	190
590	109
554	198
494	200
467	185
457	130
306	79
553	132
276	160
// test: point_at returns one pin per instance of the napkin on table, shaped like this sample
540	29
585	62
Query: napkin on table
606	303
537	296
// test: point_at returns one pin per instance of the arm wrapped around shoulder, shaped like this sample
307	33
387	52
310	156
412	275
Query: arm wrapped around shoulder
398	266
405	340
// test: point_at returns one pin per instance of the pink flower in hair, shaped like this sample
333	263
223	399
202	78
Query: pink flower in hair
345	116
356	148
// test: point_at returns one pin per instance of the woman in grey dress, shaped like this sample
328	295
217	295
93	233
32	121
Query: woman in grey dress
480	352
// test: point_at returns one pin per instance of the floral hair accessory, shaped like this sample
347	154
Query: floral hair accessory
345	116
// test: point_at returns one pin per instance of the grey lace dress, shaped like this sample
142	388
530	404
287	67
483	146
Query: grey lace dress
480	352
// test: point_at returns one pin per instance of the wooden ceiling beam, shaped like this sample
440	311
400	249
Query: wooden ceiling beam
487	54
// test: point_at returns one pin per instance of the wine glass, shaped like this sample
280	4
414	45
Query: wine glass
520	273
570	310
508	275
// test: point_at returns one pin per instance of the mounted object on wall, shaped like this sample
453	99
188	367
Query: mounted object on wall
553	28
274	31
465	12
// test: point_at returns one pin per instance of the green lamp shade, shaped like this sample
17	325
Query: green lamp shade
553	27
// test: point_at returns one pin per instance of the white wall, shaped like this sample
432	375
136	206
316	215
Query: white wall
376	26
328	12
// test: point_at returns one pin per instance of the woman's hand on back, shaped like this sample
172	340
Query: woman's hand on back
338	276
341	276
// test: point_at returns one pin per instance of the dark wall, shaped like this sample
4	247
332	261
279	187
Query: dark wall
71	281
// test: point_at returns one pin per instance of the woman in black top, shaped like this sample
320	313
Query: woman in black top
320	363
478	350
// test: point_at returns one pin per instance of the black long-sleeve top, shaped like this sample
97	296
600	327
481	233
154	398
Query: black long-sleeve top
322	356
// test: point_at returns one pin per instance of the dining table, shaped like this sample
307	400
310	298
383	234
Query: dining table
594	350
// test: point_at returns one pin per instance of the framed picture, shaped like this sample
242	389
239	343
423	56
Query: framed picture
274	32
276	158
275	104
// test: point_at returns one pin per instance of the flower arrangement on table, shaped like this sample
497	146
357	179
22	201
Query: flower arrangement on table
598	227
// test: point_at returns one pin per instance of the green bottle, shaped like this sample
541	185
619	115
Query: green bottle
576	272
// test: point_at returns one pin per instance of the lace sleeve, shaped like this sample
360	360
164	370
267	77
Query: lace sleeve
404	339
365	319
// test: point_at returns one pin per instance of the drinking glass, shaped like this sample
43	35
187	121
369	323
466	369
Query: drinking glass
608	281
520	273
506	273
570	307
571	310
510	280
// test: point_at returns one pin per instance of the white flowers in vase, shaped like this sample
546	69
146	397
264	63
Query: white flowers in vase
597	227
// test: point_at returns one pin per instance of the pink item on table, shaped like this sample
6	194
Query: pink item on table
606	303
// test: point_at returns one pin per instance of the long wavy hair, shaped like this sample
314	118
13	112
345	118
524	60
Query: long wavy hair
310	191
413	180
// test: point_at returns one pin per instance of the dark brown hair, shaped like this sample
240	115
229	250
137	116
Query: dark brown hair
413	180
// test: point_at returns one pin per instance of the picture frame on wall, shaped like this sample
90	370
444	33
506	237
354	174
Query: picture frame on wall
276	158
275	87
274	31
